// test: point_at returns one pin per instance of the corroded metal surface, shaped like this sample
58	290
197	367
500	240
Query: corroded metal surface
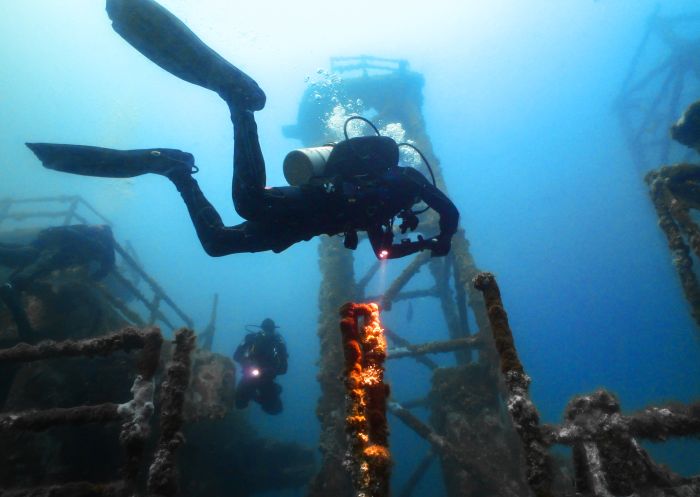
364	347
607	456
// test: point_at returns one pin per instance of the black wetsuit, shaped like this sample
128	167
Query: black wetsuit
262	356
279	217
53	248
282	216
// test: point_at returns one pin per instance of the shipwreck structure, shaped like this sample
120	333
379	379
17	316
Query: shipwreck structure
100	378
107	380
675	195
608	459
364	348
663	79
477	448
480	452
134	294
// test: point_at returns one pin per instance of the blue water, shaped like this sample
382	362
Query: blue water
519	106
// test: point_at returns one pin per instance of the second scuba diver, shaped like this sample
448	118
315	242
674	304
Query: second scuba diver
262	356
365	189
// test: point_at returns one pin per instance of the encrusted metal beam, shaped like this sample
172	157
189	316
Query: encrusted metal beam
656	423
434	347
408	295
403	278
337	287
437	441
362	283
522	410
441	273
40	420
364	348
126	339
75	489
402	342
163	473
153	284
666	205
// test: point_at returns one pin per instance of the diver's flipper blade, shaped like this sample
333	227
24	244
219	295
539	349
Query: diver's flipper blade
89	161
164	39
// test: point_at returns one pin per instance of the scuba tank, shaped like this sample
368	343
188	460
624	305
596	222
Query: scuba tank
358	159
302	165
355	159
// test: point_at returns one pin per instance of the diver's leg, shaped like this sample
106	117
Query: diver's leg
165	40
269	398
244	393
248	167
217	239
288	206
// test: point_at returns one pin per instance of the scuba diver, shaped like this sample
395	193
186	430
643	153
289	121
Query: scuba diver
362	187
262	356
52	249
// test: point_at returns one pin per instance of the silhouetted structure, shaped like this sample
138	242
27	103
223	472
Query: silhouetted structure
47	444
663	78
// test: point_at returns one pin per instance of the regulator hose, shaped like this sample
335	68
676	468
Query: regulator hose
404	144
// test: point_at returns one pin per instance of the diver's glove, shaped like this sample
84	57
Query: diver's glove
351	239
409	221
439	246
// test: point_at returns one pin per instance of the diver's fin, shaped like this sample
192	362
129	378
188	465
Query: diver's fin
88	161
110	163
164	39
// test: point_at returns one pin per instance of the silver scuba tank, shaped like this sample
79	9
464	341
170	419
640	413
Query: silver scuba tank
303	164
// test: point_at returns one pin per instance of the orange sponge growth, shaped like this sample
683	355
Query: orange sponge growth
364	345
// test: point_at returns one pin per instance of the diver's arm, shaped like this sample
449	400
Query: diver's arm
241	351
238	354
383	247
438	201
280	355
